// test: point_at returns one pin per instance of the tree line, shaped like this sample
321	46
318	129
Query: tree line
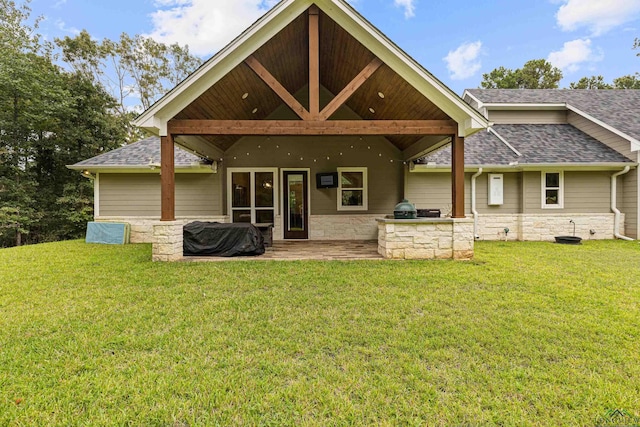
61	102
541	74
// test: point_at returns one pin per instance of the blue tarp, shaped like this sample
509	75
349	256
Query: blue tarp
108	233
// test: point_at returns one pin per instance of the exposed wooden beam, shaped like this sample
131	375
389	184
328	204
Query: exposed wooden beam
167	179
277	87
314	62
350	89
457	176
299	127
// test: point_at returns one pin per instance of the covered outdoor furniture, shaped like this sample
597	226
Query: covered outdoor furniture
224	240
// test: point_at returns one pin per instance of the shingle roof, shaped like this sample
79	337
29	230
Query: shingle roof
538	144
138	154
617	108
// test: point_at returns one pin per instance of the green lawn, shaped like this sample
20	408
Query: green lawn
527	334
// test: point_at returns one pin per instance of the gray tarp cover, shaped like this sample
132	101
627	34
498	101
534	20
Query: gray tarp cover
218	239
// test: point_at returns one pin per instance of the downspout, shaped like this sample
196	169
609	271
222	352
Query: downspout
614	202
474	211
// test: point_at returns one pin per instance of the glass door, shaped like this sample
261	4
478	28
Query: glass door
296	207
252	196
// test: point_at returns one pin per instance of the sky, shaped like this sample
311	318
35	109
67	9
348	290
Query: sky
456	40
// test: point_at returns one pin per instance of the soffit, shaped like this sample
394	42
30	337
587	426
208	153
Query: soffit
285	56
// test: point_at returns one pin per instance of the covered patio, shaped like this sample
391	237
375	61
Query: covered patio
311	74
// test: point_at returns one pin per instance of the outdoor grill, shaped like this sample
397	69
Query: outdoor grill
405	210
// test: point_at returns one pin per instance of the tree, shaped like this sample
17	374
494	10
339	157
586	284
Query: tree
593	82
535	74
631	81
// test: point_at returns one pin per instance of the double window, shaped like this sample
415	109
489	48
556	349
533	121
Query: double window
252	194
352	189
552	190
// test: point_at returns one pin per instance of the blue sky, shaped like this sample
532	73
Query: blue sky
457	40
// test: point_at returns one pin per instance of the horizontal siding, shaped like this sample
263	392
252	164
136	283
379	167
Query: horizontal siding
139	195
584	192
544	117
601	134
385	170
433	190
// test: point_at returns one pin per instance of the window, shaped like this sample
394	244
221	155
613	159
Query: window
552	190
252	194
352	189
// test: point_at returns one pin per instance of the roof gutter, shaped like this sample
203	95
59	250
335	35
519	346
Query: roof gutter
614	208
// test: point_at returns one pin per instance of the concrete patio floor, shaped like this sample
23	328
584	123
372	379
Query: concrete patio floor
289	250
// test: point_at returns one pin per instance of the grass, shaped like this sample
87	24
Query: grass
527	334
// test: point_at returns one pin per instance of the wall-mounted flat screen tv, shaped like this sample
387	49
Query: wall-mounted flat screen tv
327	180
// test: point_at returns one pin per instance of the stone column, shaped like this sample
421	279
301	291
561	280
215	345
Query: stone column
167	241
463	239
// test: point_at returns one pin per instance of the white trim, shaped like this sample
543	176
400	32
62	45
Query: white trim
635	144
533	167
282	171
252	183
96	196
543	189
365	189
213	168
523	106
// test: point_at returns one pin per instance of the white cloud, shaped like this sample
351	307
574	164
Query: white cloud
205	25
463	62
408	5
599	16
62	26
573	54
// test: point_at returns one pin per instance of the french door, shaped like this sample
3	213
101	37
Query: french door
252	194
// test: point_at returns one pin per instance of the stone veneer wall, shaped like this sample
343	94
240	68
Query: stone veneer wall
544	227
142	228
168	241
343	227
437	238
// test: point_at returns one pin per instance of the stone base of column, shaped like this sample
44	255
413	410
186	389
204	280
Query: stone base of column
167	241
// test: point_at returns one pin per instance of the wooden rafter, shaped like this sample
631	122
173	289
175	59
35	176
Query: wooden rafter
316	127
314	62
350	89
277	87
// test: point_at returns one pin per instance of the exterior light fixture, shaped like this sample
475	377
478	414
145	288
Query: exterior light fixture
381	95
371	110
245	95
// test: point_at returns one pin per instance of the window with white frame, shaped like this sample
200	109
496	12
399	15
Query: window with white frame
352	189
252	194
552	190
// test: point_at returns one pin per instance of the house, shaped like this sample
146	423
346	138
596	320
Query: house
311	87
550	157
313	91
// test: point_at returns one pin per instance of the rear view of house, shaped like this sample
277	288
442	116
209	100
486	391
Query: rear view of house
551	157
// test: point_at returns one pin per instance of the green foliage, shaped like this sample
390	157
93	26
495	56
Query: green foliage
593	82
527	334
631	81
535	74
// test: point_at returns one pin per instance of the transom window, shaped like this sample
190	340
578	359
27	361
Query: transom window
352	189
552	190
252	194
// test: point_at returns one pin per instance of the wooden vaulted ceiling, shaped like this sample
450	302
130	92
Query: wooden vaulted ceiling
286	57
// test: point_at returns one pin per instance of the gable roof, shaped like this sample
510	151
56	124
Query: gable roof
143	154
616	109
539	145
284	13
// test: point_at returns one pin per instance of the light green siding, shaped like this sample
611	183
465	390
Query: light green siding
531	117
138	195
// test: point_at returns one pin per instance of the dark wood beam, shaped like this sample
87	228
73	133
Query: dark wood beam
314	62
457	176
350	89
277	87
299	127
167	179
